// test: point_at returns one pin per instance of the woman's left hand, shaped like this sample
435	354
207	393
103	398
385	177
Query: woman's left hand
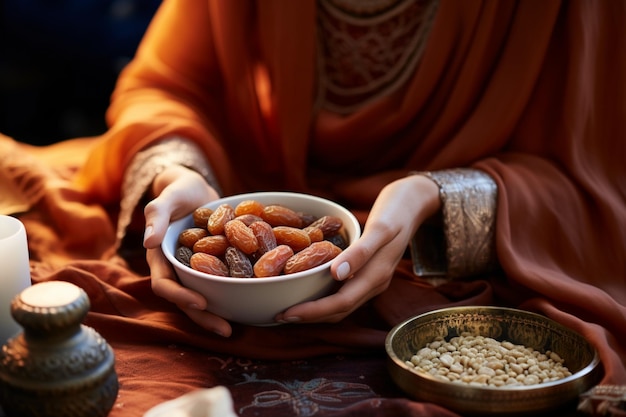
367	265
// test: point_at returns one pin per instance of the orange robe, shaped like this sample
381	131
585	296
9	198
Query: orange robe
533	92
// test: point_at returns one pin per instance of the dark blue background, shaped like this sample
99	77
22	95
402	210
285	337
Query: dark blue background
59	60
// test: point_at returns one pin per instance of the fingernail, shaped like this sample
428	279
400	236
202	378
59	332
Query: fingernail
147	233
194	306
293	319
343	271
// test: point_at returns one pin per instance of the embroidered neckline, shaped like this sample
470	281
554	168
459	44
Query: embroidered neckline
368	49
364	7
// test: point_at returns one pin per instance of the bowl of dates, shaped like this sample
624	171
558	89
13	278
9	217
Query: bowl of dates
254	255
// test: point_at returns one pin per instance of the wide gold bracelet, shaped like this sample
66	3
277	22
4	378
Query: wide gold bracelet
460	241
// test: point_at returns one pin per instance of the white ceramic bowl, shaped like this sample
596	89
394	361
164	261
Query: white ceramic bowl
256	301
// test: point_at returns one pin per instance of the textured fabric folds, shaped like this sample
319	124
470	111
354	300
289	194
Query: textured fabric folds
529	92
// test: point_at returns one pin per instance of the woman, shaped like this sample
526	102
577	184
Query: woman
498	124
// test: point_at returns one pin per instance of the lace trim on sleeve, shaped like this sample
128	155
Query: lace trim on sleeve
466	226
148	163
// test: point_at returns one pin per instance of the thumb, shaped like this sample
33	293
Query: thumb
157	214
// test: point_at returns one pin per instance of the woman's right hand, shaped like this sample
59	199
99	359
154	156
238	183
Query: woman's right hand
178	192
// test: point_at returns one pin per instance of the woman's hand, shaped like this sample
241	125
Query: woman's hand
367	266
178	192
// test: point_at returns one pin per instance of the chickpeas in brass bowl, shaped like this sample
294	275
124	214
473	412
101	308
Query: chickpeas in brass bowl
490	361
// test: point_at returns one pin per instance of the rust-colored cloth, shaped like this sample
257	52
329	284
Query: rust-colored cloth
160	354
533	92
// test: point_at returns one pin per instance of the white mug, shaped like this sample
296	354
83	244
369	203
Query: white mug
14	271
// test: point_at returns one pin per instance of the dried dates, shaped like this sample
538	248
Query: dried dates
256	240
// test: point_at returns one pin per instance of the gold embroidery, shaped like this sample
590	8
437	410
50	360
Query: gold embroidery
369	49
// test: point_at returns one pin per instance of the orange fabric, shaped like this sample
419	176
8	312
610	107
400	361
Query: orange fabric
532	92
334	369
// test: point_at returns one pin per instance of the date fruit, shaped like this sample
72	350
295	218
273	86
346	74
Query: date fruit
314	255
241	236
208	264
239	265
271	264
257	240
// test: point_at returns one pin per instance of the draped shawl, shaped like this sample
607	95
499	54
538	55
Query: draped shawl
532	92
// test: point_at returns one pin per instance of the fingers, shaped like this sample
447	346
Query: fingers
157	214
359	253
370	281
367	265
165	285
179	191
210	322
190	302
397	212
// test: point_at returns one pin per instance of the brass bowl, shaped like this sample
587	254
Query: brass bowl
518	327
